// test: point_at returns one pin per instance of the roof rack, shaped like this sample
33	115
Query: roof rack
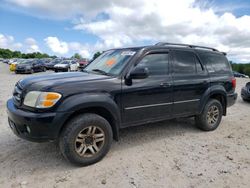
184	45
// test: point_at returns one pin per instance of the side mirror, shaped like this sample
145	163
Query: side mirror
139	73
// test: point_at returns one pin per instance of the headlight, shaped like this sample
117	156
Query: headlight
39	99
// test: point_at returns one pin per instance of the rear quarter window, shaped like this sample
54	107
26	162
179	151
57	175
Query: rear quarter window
216	63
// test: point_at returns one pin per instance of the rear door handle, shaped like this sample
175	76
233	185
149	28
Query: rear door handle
165	84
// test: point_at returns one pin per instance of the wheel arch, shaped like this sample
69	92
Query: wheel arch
217	93
101	105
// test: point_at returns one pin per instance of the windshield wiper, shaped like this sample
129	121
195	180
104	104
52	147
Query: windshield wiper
83	70
101	71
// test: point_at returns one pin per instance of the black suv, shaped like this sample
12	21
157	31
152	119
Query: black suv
124	87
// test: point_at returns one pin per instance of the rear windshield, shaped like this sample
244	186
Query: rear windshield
215	63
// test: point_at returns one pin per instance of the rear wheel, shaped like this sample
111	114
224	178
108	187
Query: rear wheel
211	116
86	139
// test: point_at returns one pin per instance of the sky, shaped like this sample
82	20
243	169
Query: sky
65	27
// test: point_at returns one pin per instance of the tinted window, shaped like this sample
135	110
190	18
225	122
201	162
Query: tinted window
216	63
199	68
184	62
157	64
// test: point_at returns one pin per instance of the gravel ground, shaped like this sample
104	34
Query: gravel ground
167	154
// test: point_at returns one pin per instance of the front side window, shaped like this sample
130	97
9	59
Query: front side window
111	62
157	64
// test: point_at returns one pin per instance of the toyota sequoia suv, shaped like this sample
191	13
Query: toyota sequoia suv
84	111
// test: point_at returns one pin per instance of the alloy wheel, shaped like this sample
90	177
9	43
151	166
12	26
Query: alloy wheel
89	141
212	115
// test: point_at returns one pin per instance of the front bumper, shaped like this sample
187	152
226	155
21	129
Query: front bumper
23	70
32	126
63	69
231	99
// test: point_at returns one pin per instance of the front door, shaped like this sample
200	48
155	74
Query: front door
149	98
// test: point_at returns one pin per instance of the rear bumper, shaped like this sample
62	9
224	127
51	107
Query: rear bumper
231	99
36	127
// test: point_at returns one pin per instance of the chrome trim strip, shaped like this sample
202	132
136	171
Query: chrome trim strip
161	104
192	100
146	106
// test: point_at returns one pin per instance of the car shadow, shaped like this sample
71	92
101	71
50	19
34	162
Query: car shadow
47	155
146	133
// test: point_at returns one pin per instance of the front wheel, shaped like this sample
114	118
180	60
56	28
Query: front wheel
86	139
211	116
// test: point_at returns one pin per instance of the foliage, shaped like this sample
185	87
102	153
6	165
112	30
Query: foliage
96	55
241	68
7	54
77	56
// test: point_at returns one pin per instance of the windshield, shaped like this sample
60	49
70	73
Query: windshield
111	62
65	62
26	61
55	61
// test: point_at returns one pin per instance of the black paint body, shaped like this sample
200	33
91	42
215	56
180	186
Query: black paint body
139	102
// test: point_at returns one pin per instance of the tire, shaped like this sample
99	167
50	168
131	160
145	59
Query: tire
75	143
246	100
56	70
208	120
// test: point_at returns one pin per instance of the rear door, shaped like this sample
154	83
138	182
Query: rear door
190	81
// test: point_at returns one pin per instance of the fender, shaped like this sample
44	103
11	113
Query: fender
87	100
216	89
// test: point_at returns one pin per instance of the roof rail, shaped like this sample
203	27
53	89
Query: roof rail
184	45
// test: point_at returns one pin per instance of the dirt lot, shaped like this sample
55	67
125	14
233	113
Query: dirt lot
168	154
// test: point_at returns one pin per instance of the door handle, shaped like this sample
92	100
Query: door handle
165	84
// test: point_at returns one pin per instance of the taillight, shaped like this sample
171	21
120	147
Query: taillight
234	83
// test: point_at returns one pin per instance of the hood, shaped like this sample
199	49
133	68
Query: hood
24	65
58	80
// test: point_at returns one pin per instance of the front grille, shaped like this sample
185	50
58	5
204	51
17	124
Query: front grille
17	94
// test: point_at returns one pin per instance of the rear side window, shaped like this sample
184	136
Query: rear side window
186	63
157	64
216	63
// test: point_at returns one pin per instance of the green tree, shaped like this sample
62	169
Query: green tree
5	53
241	68
247	70
96	55
77	56
16	54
